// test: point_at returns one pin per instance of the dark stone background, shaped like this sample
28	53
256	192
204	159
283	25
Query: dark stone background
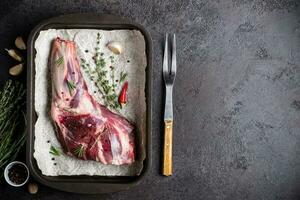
237	94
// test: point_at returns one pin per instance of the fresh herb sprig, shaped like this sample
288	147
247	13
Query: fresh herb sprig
59	61
105	87
79	151
123	76
71	86
112	76
12	122
54	151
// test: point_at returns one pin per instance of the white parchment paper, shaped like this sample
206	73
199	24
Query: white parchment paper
132	60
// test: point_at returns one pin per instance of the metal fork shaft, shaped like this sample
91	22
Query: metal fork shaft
169	103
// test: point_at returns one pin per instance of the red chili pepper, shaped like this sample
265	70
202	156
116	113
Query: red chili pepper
122	96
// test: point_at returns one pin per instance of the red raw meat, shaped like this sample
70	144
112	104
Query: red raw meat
85	128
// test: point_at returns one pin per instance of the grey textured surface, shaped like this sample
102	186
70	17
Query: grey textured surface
237	94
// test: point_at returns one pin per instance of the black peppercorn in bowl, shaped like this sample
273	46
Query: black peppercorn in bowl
16	174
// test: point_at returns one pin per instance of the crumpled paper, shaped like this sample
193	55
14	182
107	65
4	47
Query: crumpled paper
133	60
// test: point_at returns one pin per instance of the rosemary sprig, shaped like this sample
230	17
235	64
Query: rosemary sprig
71	86
54	151
59	61
79	151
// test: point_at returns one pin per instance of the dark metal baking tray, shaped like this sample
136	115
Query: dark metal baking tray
85	184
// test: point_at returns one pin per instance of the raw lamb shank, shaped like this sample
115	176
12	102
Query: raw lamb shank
85	128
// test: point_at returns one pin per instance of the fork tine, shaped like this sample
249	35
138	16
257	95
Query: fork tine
173	62
166	57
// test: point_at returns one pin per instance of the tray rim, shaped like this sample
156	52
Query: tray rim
108	184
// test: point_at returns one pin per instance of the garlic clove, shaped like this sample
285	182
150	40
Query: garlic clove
20	44
16	70
33	188
14	54
115	47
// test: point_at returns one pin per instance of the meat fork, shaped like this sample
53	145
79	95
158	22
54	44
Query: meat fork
169	73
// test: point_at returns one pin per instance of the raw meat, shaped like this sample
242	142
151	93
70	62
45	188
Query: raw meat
85	129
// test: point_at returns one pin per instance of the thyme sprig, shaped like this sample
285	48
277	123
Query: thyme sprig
11	119
98	38
105	87
123	76
112	76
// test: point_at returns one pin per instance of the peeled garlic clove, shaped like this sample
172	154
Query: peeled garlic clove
16	70
33	188
14	54
115	47
20	44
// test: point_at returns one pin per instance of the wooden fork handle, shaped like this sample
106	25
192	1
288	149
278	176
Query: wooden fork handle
167	162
